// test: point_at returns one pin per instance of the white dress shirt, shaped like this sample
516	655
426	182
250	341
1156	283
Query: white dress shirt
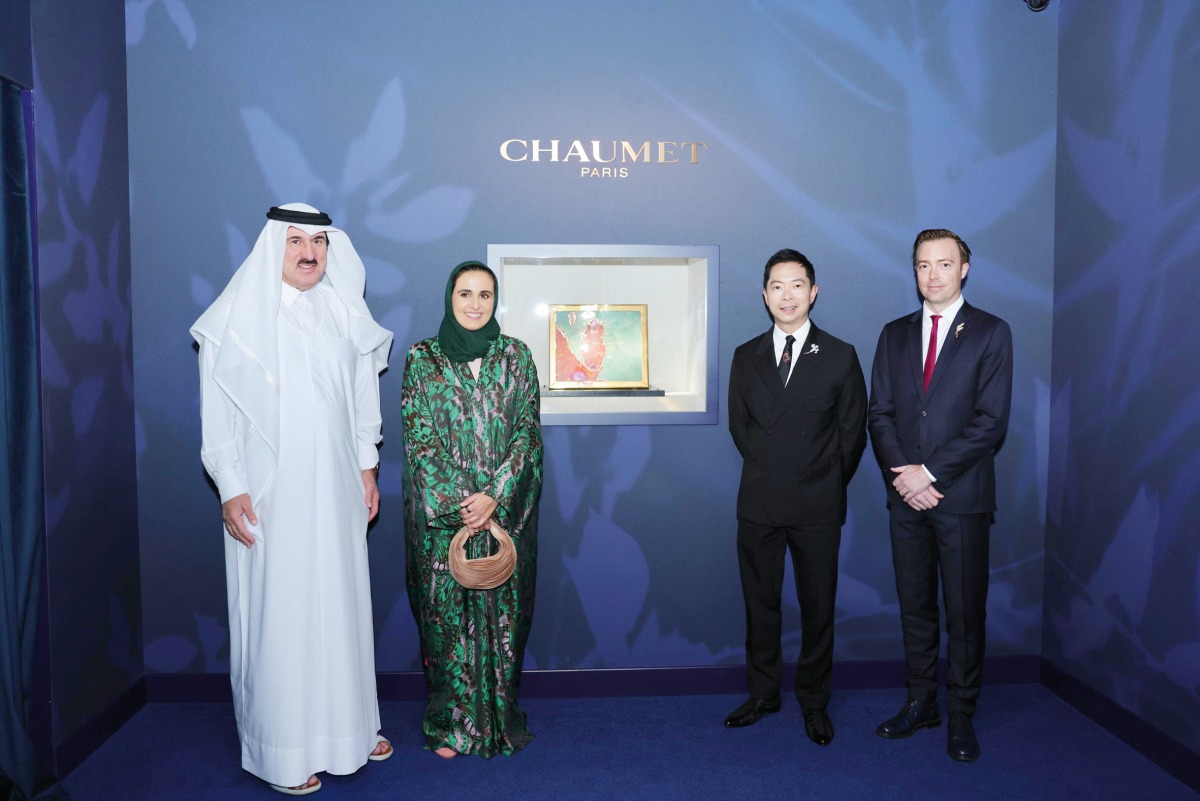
780	339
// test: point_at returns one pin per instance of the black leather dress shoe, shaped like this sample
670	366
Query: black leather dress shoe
749	712
961	743
818	726
914	715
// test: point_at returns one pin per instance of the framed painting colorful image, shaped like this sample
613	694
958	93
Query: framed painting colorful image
599	346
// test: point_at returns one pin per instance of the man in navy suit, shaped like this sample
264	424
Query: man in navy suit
797	413
941	387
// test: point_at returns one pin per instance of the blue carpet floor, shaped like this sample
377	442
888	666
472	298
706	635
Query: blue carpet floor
1035	746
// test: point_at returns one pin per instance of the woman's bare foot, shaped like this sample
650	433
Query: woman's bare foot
446	752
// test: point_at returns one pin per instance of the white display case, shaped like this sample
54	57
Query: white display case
678	284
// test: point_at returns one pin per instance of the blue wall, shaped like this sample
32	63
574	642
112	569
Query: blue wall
840	129
1122	609
93	590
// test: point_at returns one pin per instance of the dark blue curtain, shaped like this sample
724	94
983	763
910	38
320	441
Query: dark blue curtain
22	521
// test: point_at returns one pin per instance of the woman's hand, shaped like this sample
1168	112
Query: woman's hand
477	510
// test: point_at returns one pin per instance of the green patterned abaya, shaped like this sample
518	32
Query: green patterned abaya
464	435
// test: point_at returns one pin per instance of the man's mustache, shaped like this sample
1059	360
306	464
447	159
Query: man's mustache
313	262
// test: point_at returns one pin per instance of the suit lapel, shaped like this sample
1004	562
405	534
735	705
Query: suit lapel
803	357
764	363
958	329
796	381
916	356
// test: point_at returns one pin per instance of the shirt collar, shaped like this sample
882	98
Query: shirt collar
801	334
288	294
948	313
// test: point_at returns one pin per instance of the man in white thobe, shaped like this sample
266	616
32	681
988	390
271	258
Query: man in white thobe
289	387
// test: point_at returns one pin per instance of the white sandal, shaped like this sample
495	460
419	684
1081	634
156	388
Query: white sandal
303	789
386	754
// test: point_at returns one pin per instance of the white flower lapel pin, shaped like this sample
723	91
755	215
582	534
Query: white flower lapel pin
958	329
811	349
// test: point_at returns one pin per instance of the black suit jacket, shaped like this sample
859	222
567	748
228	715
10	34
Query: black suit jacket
799	445
955	427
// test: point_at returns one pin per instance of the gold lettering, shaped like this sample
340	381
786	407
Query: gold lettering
576	150
552	150
623	151
695	146
596	152
629	154
504	149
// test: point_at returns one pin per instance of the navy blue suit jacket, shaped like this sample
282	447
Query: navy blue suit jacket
955	427
799	445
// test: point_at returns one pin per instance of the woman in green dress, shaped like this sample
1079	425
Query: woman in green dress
473	452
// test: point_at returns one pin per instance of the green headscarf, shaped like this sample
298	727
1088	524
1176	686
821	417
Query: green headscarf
459	344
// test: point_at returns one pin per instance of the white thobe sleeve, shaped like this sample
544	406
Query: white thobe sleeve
366	413
221	428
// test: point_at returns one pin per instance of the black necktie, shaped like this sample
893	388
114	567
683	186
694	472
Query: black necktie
785	361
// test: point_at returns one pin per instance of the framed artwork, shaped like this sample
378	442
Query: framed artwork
599	346
680	336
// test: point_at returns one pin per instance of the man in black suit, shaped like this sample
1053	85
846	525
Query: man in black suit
797	413
941	386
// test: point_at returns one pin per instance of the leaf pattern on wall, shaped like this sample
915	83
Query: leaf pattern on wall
1122	607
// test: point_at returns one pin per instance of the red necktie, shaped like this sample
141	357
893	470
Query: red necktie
931	354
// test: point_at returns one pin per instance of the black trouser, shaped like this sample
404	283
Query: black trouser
761	552
924	544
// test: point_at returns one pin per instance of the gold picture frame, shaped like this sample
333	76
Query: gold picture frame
599	346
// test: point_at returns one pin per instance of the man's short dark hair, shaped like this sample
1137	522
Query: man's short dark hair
786	255
934	234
